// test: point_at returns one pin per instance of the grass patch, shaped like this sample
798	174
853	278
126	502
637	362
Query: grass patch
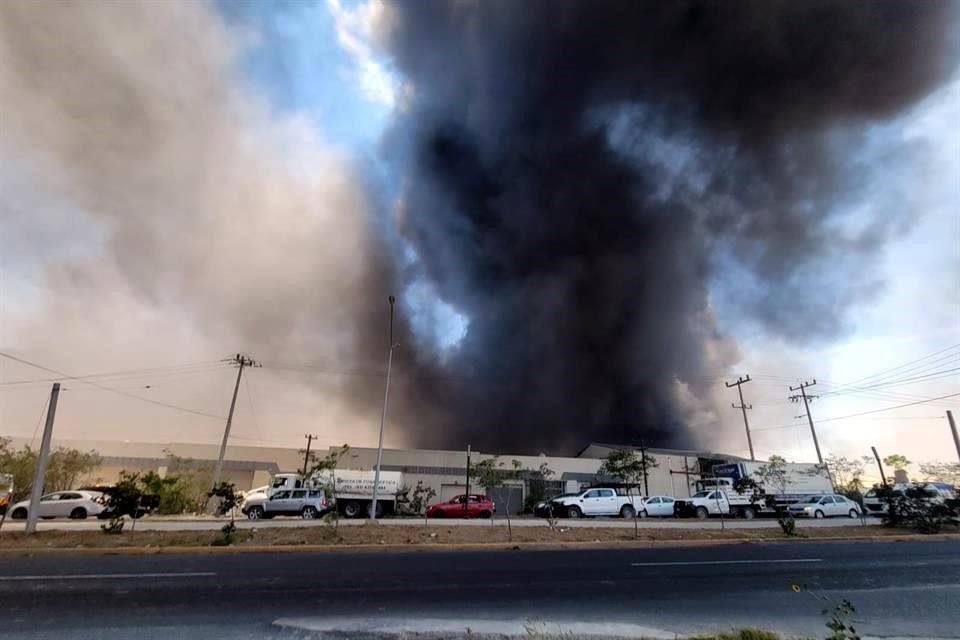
413	535
740	634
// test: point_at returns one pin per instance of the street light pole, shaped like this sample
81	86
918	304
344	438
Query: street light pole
383	418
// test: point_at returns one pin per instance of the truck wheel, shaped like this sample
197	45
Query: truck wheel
626	511
308	513
818	515
255	513
19	514
351	509
78	514
749	513
574	512
702	513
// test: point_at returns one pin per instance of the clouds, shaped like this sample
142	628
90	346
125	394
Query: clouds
356	30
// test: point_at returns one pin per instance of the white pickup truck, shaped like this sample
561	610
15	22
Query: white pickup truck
599	501
704	504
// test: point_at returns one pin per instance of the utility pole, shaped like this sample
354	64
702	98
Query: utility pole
33	511
802	388
876	455
643	462
953	428
383	416
306	457
468	480
743	407
241	361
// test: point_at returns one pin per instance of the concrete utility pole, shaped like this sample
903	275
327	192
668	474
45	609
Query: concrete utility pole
468	479
383	416
242	361
953	428
306	457
643	462
876	455
33	511
743	407
802	388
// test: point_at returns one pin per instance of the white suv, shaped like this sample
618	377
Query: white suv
306	503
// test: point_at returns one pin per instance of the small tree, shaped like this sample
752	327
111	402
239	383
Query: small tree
422	495
847	476
629	468
897	461
774	475
490	474
123	499
329	464
230	499
948	472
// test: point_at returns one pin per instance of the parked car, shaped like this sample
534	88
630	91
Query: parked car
550	508
477	506
658	507
63	504
598	501
825	507
306	503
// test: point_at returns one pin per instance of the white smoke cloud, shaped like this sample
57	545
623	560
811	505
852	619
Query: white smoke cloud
206	224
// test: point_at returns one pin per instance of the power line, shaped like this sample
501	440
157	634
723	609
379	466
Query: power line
883	373
899	406
933	375
131	373
117	391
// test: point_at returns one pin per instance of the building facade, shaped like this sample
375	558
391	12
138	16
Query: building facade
674	473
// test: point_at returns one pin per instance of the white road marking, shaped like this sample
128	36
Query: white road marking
701	562
110	576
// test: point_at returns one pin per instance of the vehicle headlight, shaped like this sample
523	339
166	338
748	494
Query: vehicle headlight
806	508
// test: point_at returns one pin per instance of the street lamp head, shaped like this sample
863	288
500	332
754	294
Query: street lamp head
391	299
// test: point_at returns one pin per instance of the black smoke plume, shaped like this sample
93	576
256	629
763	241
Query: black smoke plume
579	173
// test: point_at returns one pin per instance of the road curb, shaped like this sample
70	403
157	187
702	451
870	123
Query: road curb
455	629
440	546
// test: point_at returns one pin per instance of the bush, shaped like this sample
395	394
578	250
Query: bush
787	523
915	507
226	535
114	526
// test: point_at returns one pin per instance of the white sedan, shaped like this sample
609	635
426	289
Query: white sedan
658	507
63	504
826	506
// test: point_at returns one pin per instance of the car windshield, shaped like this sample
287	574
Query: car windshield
813	500
701	494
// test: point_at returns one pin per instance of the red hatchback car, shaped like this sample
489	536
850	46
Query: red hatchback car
460	507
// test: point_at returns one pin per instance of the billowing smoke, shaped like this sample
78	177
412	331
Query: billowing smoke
581	174
179	221
582	181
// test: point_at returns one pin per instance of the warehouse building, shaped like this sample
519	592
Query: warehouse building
445	471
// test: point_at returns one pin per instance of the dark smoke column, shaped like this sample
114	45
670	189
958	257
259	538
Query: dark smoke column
575	169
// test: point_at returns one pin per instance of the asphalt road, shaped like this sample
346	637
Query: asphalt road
903	588
159	523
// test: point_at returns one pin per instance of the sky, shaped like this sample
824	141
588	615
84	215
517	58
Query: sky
279	158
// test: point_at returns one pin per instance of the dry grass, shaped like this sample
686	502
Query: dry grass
412	535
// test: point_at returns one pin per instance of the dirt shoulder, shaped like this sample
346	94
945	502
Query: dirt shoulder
371	536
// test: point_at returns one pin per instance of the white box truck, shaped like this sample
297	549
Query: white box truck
800	482
352	490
